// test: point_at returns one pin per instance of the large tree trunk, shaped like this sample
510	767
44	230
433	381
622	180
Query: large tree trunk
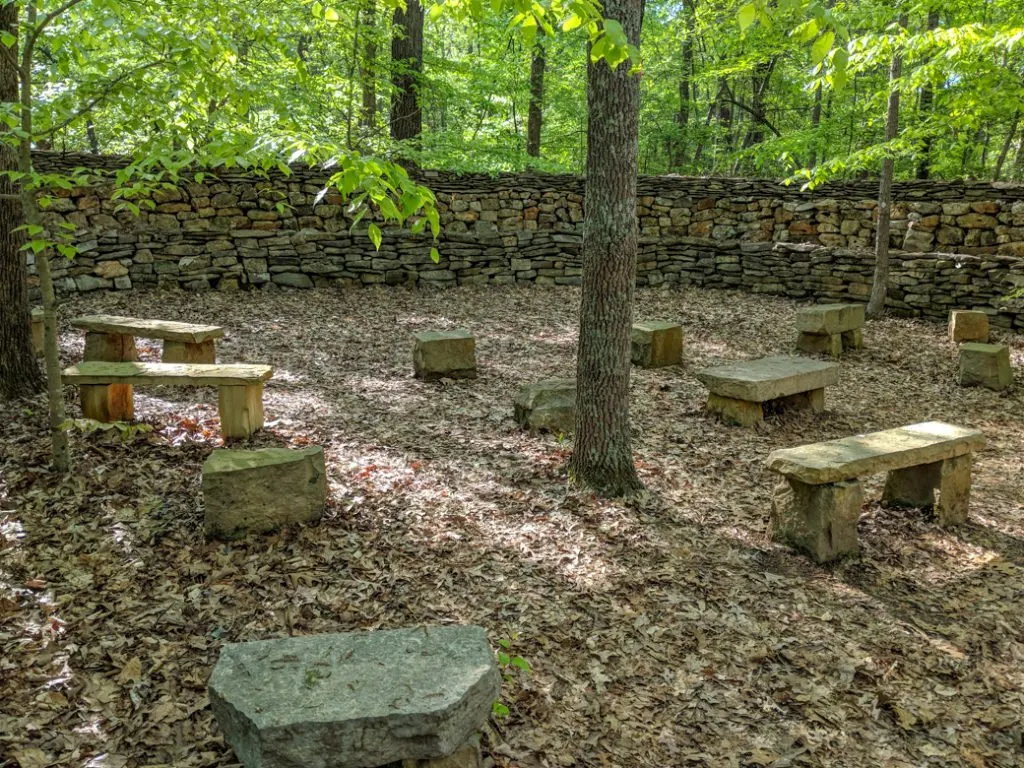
602	456
407	60
880	284
19	372
535	118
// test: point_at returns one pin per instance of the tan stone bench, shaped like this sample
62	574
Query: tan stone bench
743	390
830	328
107	389
656	344
38	332
111	338
817	506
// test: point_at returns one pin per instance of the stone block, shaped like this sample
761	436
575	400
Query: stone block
357	699
444	354
985	365
768	378
252	491
548	405
818	519
968	325
293	280
830	318
657	344
830	344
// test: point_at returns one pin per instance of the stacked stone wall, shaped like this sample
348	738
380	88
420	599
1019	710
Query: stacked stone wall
955	244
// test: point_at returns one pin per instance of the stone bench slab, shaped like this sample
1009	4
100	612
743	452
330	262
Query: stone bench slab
168	330
768	378
891	449
354	699
830	318
197	375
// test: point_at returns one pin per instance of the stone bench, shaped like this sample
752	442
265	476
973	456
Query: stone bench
656	344
548	405
985	365
107	389
111	338
38	331
357	699
817	506
741	392
444	355
830	328
261	490
968	325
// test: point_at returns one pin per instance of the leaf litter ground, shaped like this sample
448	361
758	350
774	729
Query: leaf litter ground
664	631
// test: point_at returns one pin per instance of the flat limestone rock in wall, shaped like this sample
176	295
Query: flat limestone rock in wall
955	245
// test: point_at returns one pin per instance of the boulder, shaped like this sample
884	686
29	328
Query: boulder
252	491
548	405
357	699
444	355
657	344
968	325
985	365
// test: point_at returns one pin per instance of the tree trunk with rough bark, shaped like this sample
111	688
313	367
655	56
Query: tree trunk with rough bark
368	67
602	457
535	118
407	60
880	283
19	372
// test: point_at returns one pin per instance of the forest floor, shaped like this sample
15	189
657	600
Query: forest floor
666	631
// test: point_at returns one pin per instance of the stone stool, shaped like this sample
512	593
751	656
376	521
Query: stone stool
968	325
547	406
261	490
657	344
37	330
985	365
416	698
830	328
444	355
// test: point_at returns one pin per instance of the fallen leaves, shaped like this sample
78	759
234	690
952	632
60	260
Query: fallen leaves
666	630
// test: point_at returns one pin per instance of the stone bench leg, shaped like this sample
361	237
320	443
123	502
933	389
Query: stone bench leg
743	413
820	343
185	352
241	410
853	339
954	490
107	402
818	519
813	400
110	348
915	487
466	756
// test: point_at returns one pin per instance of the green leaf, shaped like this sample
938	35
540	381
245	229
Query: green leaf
822	46
746	16
375	236
434	255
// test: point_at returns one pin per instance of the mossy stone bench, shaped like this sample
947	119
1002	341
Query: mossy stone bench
817	505
107	389
830	329
111	338
741	391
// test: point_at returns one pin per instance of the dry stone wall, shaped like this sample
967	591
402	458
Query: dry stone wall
956	244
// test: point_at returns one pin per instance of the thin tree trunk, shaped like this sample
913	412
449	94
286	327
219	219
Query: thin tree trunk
815	125
90	133
685	85
368	68
535	118
602	456
880	284
1006	146
19	372
926	104
407	59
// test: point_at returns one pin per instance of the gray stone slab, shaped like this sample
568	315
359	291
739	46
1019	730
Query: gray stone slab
850	457
354	699
830	318
768	378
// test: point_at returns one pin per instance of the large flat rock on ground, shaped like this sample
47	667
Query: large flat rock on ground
354	699
547	405
850	457
768	378
444	354
251	491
